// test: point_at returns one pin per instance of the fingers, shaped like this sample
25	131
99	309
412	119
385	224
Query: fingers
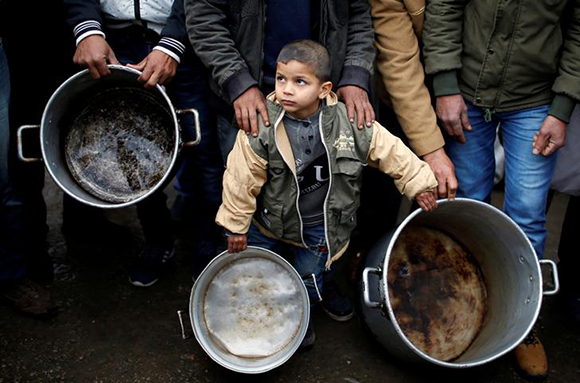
112	58
246	120
465	119
253	116
365	112
540	142
264	113
237	243
427	201
457	130
451	188
350	109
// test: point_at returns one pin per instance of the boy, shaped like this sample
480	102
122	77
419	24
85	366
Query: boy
298	182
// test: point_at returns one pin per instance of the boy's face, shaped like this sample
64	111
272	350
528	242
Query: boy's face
298	89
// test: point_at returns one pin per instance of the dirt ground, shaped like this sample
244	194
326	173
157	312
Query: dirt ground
109	331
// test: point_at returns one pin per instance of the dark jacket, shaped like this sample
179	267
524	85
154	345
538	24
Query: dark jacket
228	36
506	55
165	17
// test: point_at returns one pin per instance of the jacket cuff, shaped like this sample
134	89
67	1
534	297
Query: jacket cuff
238	83
86	29
357	76
172	47
445	83
562	107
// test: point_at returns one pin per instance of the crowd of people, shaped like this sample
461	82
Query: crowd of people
290	96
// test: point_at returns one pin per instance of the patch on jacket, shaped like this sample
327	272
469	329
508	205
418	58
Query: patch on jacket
344	143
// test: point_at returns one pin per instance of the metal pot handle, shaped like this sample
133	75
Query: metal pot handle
365	286
196	123
19	143
180	314
555	278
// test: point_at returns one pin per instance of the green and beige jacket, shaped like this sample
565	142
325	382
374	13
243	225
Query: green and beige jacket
260	181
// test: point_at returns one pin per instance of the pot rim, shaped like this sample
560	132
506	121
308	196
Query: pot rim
45	120
201	284
387	302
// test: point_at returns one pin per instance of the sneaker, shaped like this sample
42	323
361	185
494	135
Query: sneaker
531	357
335	304
309	338
28	297
147	268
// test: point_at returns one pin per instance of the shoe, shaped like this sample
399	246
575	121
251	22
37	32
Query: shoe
335	304
28	297
531	358
309	338
147	267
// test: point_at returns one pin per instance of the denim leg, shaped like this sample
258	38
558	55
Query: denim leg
312	260
200	173
256	238
12	263
527	176
474	160
227	133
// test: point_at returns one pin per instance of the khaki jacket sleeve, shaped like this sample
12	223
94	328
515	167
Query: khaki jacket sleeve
399	64
390	155
243	179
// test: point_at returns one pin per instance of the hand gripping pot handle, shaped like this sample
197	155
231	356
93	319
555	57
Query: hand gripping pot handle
554	276
19	143
196	123
365	285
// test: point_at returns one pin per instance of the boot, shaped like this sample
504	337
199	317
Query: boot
531	357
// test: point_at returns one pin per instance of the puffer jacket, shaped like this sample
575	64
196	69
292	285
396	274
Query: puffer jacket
506	55
228	36
260	180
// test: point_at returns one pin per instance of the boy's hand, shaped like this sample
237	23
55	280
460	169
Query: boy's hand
237	243
426	200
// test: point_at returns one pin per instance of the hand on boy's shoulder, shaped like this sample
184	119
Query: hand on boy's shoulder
427	200
357	105
247	107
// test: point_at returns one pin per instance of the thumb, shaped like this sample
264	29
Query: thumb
140	66
112	58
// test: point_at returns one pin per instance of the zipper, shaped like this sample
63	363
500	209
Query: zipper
324	209
276	126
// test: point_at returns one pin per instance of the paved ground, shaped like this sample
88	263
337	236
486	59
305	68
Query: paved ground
110	331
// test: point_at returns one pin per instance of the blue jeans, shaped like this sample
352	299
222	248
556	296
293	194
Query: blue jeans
200	172
527	176
307	261
12	263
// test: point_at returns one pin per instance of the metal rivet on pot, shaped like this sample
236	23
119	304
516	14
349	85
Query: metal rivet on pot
521	259
531	278
527	300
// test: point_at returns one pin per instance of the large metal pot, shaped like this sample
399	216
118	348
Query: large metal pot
201	304
510	270
69	100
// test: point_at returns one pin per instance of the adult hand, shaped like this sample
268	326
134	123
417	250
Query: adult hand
237	243
444	172
156	68
95	53
452	111
246	106
357	100
550	137
426	200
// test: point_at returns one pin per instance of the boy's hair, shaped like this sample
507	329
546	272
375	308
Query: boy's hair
310	53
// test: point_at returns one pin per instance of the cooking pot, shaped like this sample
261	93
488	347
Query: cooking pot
249	311
507	261
69	104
